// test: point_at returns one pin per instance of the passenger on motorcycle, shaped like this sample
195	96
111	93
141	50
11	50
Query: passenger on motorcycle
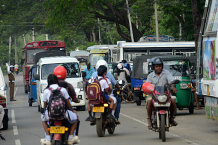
61	74
160	77
106	89
70	115
123	73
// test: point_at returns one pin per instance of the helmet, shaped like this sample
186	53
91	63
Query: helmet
156	61
60	72
148	88
101	62
127	66
120	66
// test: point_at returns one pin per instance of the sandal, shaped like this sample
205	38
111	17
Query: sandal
149	124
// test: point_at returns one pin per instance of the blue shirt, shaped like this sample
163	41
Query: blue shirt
89	72
108	75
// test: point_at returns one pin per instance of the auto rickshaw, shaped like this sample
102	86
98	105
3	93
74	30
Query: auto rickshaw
32	93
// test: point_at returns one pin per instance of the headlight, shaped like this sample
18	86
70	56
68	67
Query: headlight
183	86
80	85
162	98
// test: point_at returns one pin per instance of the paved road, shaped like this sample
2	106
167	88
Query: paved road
25	126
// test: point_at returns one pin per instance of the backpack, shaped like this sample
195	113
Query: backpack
57	105
94	92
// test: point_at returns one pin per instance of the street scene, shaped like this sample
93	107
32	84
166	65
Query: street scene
108	72
25	126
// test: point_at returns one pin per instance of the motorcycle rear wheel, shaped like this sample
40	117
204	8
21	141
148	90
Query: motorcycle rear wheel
100	126
163	131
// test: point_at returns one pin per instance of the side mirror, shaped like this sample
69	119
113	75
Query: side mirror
83	74
4	88
36	76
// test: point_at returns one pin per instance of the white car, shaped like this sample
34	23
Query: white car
46	65
3	103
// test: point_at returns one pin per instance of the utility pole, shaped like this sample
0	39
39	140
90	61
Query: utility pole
156	22
33	35
130	24
46	36
9	51
15	50
24	40
99	32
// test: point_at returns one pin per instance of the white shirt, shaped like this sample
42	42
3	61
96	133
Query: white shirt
47	93
104	84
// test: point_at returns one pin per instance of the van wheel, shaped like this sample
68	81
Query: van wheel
5	120
39	108
83	108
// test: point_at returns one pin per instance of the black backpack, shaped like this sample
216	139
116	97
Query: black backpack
57	105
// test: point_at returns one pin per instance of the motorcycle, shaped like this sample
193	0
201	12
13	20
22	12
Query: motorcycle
59	132
125	93
102	120
161	112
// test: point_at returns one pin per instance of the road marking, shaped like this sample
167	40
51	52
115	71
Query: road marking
172	134
17	142
13	116
15	130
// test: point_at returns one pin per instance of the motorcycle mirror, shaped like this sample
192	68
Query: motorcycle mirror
175	81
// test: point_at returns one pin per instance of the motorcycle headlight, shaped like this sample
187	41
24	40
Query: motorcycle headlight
162	98
80	85
183	86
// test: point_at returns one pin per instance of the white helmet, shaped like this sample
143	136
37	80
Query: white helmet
101	62
120	66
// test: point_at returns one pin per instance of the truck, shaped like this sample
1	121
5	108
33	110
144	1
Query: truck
207	59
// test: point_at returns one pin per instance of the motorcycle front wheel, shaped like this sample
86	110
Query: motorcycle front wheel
58	142
111	130
163	131
100	126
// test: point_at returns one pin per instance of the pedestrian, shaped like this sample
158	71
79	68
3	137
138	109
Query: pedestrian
11	78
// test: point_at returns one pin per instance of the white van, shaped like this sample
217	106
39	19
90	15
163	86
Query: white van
46	65
3	103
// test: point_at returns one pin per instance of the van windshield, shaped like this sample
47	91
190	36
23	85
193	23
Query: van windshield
73	70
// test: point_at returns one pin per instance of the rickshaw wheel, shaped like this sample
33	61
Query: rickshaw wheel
191	108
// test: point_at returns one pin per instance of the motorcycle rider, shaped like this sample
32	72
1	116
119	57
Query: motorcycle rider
113	82
123	73
61	74
160	77
70	115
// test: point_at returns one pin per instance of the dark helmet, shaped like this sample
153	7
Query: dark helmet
156	61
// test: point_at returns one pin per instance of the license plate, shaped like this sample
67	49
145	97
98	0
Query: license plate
118	92
57	129
98	109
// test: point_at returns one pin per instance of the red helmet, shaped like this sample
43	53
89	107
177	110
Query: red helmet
60	72
148	88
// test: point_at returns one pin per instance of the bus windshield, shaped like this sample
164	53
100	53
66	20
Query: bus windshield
94	58
73	70
177	68
30	54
